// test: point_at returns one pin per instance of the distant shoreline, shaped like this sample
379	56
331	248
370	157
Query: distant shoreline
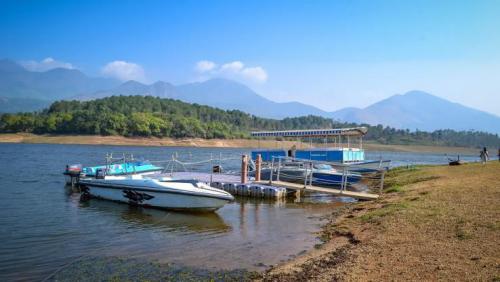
199	142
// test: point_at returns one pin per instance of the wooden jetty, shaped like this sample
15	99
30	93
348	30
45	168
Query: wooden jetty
336	192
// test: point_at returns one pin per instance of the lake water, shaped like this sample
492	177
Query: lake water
44	226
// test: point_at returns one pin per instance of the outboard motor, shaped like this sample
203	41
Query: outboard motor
74	169
72	174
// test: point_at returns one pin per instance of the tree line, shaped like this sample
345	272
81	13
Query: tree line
153	116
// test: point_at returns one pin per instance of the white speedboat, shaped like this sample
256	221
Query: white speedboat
167	193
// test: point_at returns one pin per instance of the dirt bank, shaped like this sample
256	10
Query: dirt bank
198	142
433	223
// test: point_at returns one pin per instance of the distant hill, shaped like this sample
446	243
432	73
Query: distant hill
14	105
423	111
59	83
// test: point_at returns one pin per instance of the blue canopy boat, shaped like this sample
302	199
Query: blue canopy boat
127	166
330	159
137	167
322	174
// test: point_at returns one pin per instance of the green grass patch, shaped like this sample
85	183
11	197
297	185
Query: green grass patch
394	189
401	177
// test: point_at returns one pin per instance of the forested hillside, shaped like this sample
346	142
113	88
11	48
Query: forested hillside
152	116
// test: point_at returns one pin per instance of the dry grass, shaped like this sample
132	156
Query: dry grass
438	223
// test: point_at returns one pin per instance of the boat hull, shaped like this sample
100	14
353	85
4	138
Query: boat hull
150	197
333	179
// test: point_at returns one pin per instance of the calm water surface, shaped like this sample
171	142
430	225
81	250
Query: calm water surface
44	226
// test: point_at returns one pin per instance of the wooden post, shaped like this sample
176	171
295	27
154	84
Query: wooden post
244	169
258	164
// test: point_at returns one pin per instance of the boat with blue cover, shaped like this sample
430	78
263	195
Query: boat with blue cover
136	167
339	148
113	167
322	174
334	161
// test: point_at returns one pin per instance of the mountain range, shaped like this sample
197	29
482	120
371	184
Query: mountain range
58	83
422	111
23	90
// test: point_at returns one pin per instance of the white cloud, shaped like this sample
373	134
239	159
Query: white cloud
255	73
234	67
124	71
46	64
205	66
233	70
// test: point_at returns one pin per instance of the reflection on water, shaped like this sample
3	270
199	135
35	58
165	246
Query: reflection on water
248	233
171	221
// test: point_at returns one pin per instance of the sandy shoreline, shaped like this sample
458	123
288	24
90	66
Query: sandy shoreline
432	223
198	142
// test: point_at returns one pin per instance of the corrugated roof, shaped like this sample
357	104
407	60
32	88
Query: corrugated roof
356	131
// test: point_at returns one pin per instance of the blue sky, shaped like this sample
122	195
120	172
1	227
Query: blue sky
330	54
